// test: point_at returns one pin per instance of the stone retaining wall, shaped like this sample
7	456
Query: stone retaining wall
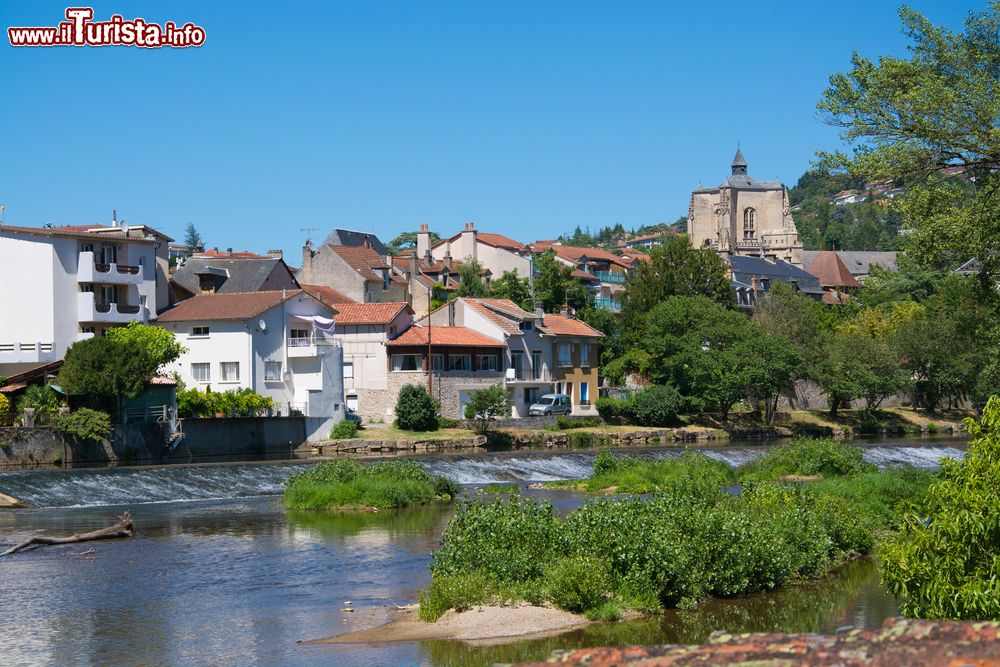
362	446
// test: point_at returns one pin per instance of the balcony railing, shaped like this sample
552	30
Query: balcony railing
302	342
615	277
27	352
607	303
89	310
124	269
91	270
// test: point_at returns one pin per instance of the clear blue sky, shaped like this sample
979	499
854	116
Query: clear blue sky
527	117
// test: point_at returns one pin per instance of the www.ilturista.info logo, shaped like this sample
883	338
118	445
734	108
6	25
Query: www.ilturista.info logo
81	30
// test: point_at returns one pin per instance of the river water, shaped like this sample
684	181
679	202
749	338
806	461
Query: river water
220	573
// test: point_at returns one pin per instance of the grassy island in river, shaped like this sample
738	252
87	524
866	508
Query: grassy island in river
348	485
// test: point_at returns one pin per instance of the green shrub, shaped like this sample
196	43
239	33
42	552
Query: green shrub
448	422
487	405
4	404
344	430
43	400
347	484
455	591
415	409
692	474
84	424
943	564
578	584
657	406
235	403
615	411
496	488
807	456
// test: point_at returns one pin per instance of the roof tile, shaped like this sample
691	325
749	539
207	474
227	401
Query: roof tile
368	313
231	306
456	336
562	325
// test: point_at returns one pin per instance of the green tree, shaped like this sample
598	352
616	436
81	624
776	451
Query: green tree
674	269
511	286
470	279
913	118
415	409
192	239
555	285
785	312
487	405
42	399
942	564
118	364
407	240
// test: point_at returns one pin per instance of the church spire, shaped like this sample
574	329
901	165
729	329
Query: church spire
739	163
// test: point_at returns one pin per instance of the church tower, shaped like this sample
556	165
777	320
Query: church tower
744	216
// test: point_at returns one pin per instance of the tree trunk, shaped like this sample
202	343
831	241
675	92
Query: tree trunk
124	528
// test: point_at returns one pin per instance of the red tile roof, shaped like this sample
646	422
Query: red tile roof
232	306
454	336
78	233
561	325
368	313
583	275
215	253
831	271
327	295
574	253
362	259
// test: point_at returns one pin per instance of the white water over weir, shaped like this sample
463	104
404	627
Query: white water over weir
126	486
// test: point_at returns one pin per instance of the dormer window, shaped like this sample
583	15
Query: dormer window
526	325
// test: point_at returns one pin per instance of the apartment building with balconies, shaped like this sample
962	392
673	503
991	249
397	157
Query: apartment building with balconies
59	285
279	344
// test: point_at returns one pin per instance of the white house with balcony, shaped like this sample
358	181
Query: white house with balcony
277	343
59	285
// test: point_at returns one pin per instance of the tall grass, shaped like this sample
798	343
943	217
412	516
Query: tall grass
807	457
346	484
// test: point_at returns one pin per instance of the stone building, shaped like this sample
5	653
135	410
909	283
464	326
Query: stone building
744	216
357	272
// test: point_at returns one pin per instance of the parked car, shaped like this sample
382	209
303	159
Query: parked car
551	404
352	415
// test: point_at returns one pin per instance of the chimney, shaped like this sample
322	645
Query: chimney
424	241
114	217
539	310
229	251
447	260
565	311
276	254
367	243
469	241
413	266
451	313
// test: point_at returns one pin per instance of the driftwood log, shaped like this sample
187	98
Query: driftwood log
124	528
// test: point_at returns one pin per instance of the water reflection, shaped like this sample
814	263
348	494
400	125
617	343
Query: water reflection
851	596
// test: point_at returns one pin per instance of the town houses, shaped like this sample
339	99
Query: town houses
340	334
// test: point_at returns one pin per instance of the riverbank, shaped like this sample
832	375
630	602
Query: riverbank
480	625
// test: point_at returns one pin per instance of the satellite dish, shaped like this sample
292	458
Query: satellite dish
263	325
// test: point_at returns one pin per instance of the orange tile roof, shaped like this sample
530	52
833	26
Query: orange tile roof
362	259
216	253
508	317
78	233
831	271
501	241
232	306
561	325
574	253
368	313
327	295
455	336
583	275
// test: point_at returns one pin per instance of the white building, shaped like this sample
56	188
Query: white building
59	285
274	343
496	252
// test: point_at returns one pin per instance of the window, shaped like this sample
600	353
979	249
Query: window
109	253
584	393
526	325
406	362
87	288
142	261
749	224
349	370
530	395
201	372
352	402
536	365
565	354
199	331
459	362
487	362
272	371
569	394
437	363
585	354
300	337
109	294
517	363
229	371
86	247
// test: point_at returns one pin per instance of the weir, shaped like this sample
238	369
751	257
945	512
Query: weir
127	486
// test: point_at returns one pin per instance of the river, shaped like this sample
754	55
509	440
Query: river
219	573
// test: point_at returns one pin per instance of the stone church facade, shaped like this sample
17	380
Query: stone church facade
744	216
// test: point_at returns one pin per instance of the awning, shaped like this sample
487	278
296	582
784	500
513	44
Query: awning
321	323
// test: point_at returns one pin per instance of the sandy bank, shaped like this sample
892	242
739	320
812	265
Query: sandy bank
479	625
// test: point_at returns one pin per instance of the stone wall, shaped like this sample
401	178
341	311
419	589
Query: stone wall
446	387
807	395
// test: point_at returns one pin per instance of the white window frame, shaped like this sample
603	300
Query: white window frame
269	376
348	370
536	365
207	367
454	368
352	401
560	348
226	378
398	368
200	332
491	364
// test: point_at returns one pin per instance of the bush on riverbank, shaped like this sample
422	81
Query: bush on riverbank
690	541
807	457
348	485
653	406
415	409
345	429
